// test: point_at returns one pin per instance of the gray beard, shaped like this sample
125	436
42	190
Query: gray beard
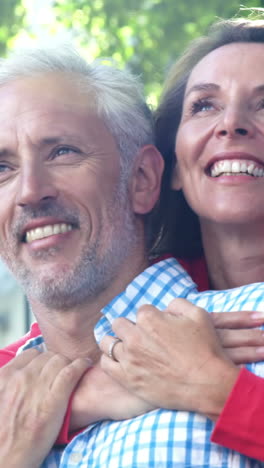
94	271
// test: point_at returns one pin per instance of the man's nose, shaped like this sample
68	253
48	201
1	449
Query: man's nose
35	185
235	123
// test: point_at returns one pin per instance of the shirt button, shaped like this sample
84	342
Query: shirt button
75	458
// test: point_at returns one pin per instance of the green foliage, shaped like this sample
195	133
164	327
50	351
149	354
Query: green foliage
147	35
11	18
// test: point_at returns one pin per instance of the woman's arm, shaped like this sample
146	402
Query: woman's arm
175	360
240	425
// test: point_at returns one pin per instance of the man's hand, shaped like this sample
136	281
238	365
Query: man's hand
172	359
34	392
99	397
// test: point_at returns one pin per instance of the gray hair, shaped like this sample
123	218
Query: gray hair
118	94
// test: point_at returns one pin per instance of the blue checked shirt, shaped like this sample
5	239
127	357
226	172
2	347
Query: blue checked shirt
161	438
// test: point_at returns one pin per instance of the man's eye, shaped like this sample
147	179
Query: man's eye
201	105
4	168
64	150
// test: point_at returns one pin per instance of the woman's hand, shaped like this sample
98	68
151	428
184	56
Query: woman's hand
34	392
242	341
99	397
172	359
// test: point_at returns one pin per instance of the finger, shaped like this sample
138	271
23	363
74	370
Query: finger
244	355
122	327
242	319
69	376
49	364
244	337
186	310
180	306
106	345
22	359
113	368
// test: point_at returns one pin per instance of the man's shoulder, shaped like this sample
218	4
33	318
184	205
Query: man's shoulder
10	351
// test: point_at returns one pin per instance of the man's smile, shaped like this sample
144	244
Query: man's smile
46	231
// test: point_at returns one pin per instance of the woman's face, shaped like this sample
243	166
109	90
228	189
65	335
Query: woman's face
220	141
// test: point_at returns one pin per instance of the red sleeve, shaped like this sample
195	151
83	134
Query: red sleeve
6	356
65	436
8	353
240	426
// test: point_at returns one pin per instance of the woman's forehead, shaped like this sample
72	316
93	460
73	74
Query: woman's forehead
239	60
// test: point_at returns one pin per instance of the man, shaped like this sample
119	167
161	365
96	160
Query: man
78	174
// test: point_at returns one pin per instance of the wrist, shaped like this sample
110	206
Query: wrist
213	395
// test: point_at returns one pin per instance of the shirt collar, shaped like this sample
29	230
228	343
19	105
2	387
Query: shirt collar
158	285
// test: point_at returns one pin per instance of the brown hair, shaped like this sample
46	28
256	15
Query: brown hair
181	230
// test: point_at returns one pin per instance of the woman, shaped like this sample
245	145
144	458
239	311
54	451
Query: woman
211	117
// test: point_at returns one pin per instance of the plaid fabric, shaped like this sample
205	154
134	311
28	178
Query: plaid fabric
161	438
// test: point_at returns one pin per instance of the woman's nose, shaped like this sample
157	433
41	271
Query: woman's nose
235	123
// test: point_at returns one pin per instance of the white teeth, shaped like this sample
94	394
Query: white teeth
56	229
235	167
46	231
243	167
228	167
64	228
250	168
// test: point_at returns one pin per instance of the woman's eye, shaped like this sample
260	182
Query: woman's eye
202	105
260	104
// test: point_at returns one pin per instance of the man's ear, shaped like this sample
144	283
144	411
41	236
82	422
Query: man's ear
176	183
146	179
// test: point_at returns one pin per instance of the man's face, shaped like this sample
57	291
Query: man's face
66	223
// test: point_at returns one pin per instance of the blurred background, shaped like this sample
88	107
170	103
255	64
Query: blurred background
145	35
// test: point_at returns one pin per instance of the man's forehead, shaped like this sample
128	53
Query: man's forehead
60	90
48	98
49	109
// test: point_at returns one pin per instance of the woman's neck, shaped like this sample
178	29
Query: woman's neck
234	255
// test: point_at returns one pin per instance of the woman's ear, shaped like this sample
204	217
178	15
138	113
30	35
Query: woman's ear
146	179
176	183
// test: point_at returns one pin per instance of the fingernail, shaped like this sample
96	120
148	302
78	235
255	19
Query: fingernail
257	315
260	350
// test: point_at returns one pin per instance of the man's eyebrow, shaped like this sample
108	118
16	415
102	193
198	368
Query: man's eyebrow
46	141
52	140
203	87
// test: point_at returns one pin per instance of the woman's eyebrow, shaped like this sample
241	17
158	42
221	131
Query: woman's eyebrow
203	87
258	89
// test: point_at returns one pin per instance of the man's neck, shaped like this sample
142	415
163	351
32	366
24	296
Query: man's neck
71	332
